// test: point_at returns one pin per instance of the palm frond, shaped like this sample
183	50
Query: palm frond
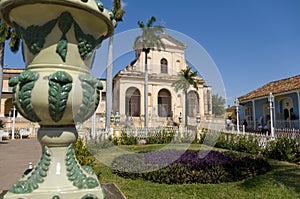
4	31
141	24
151	21
7	33
185	80
14	42
150	38
118	11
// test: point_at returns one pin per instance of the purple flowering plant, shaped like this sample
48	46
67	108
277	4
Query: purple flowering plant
177	167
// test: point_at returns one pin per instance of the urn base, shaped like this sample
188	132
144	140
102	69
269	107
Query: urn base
71	194
58	175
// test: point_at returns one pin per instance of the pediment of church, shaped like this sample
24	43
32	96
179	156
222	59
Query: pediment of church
171	42
167	42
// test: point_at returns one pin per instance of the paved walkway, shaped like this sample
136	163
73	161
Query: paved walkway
15	156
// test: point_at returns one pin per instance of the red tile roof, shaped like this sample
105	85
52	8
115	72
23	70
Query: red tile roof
275	87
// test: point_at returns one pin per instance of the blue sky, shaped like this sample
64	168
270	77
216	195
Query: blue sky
252	42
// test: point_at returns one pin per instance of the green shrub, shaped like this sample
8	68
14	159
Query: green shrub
84	157
242	143
127	140
162	137
248	144
284	148
222	142
16	133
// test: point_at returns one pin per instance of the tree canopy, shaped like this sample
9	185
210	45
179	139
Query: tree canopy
218	104
118	11
150	37
186	79
7	33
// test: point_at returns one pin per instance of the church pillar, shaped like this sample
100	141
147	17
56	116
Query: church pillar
254	113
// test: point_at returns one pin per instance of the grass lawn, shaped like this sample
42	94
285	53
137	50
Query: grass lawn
283	181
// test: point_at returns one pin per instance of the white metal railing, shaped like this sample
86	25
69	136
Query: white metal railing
291	133
4	134
141	132
290	124
262	139
19	132
278	124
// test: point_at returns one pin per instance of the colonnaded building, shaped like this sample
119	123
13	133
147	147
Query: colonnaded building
164	104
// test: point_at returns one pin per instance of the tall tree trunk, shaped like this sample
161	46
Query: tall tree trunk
146	91
186	108
2	47
109	77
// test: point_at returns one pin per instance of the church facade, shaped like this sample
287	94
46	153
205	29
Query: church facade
164	103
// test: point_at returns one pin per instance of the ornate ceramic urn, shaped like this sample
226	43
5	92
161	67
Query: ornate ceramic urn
56	89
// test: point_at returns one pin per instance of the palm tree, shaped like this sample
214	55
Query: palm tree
118	15
218	104
149	39
7	33
186	79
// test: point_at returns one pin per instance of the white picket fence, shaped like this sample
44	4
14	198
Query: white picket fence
287	124
140	132
180	132
291	133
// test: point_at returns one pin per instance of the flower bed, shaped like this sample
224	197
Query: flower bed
178	167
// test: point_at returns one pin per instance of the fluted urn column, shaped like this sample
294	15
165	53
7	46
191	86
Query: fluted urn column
56	89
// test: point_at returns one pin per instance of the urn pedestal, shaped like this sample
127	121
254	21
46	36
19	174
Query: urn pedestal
56	89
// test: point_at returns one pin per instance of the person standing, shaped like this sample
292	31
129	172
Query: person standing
245	124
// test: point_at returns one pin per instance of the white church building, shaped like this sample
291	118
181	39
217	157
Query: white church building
164	104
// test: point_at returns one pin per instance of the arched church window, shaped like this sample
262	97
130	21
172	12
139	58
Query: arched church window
164	103
287	107
133	102
193	104
163	66
8	107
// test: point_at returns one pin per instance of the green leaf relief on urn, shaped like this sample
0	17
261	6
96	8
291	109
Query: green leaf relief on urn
22	90
35	36
60	84
89	103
